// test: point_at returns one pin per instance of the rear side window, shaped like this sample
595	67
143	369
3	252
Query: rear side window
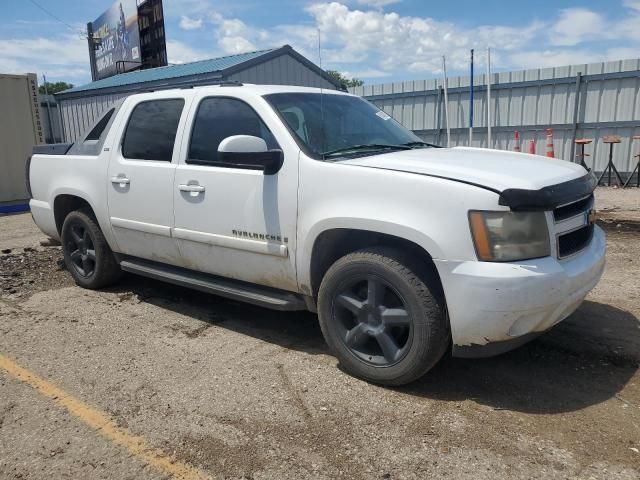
96	131
219	118
151	131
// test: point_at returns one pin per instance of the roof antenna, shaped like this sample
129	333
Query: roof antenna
321	98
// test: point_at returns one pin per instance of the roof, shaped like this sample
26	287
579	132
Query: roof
212	65
203	70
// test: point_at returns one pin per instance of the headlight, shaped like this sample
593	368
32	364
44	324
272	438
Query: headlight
509	236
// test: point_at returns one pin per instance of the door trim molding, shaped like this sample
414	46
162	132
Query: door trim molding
152	228
254	246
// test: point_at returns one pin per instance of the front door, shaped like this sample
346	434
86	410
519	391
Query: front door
232	222
140	181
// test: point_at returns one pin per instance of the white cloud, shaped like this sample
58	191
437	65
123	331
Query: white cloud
628	28
390	42
370	73
234	36
377	3
553	58
179	52
232	27
237	44
187	23
63	58
574	56
576	25
621	53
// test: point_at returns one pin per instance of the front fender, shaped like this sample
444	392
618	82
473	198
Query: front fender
427	211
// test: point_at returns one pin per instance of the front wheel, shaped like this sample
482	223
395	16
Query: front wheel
385	322
87	255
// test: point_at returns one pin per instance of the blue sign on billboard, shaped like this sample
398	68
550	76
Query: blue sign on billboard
118	40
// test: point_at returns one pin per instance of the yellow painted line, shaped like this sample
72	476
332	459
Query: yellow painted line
104	425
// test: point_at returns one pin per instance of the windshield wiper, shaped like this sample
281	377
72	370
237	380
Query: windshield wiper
420	143
368	146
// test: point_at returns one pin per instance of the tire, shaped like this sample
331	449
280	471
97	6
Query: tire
385	321
91	268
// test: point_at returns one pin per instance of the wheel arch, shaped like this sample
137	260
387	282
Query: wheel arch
333	243
65	203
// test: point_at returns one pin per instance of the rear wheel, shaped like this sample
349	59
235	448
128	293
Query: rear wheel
87	255
382	319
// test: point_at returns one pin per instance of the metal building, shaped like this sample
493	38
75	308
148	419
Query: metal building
587	100
81	106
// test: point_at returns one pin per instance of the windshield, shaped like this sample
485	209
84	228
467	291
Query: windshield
329	126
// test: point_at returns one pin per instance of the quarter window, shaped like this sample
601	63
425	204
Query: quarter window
219	118
97	131
151	131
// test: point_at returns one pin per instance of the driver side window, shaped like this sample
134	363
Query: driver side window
218	118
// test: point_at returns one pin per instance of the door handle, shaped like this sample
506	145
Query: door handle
191	188
120	180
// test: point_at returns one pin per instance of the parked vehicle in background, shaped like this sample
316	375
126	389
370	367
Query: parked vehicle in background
293	199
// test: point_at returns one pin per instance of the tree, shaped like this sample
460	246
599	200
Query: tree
54	87
345	81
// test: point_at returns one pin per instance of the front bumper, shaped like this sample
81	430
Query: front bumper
495	307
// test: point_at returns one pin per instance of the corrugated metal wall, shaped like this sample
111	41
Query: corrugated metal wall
78	114
528	101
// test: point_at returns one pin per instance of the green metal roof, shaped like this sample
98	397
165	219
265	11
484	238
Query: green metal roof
202	67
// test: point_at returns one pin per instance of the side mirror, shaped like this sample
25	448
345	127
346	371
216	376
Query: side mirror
246	151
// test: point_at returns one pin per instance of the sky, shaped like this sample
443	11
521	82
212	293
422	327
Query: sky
378	41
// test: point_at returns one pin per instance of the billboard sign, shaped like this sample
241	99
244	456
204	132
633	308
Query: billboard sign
117	39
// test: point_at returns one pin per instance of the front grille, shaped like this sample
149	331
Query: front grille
573	242
572	209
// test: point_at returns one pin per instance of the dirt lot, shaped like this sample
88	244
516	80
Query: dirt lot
235	391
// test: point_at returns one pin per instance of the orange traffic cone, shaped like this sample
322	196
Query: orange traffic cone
516	140
532	147
550	152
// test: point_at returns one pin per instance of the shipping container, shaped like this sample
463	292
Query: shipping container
21	128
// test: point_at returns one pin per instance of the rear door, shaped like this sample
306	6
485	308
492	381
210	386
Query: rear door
140	178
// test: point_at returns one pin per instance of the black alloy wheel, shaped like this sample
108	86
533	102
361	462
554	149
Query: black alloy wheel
87	255
375	324
81	250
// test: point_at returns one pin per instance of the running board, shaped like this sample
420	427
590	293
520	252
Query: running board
233	289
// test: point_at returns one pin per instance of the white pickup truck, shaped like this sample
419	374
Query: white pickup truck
299	199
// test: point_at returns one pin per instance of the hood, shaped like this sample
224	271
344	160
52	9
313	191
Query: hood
497	170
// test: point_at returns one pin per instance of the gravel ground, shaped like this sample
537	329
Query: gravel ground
613	202
242	392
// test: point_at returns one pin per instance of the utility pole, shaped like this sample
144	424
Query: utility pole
446	101
92	52
488	97
471	101
46	93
